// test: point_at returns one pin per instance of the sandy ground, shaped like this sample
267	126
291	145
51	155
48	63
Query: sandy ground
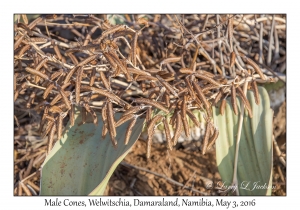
186	166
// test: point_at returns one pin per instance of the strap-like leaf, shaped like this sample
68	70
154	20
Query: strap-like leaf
81	162
254	167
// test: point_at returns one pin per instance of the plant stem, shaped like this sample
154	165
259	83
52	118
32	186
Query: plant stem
271	41
238	138
220	47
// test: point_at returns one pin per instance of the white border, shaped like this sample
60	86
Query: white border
8	8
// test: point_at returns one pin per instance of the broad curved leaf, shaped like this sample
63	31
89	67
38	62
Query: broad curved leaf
81	162
254	171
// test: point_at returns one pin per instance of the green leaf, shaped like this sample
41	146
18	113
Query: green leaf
254	167
116	19
30	18
81	163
